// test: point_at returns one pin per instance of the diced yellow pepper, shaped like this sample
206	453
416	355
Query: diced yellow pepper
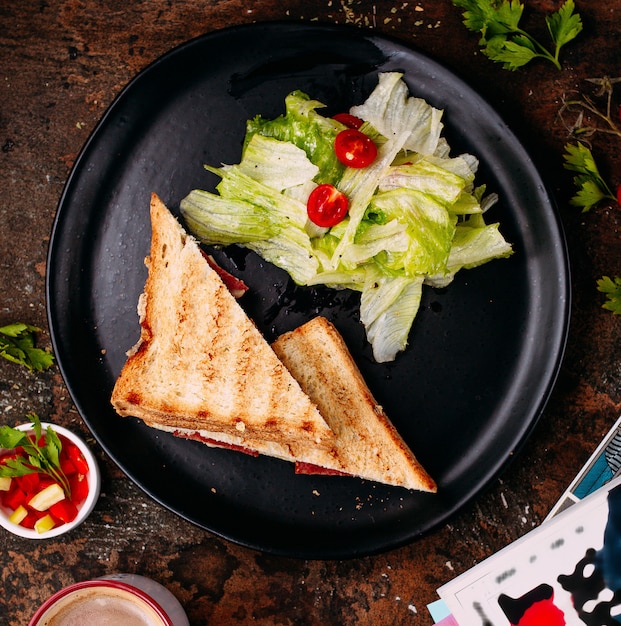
18	515
5	483
43	500
44	524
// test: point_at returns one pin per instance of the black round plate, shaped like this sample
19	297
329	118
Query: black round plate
483	353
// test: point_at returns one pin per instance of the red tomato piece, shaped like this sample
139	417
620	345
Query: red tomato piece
349	120
64	511
79	488
76	457
327	206
29	521
619	195
14	497
66	465
37	514
44	481
29	483
354	149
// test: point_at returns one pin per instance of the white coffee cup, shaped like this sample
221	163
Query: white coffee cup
110	601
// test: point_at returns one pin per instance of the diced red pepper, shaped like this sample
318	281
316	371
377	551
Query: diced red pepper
29	483
64	511
79	488
29	521
14	497
77	458
66	465
37	514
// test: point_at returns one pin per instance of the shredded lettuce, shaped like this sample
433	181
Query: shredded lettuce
277	164
302	126
388	308
392	110
217	220
415	216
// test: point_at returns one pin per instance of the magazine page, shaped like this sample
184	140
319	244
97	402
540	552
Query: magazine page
566	571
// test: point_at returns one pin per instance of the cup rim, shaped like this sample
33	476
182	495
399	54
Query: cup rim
94	486
86	584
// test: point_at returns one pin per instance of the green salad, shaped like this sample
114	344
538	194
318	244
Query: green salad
414	215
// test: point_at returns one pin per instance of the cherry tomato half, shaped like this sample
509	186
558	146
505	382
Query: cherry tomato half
326	205
349	120
354	149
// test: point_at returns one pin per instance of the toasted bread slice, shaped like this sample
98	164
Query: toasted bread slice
200	362
366	444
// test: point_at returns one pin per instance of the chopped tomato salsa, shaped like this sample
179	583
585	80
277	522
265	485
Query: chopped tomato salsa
19	492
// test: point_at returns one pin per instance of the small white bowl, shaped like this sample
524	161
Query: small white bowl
84	510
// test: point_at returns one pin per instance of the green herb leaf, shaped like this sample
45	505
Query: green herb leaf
592	188
512	53
490	17
564	25
17	345
34	461
612	289
15	467
53	447
502	39
10	437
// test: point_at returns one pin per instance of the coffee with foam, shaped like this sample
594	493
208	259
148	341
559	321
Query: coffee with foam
101	606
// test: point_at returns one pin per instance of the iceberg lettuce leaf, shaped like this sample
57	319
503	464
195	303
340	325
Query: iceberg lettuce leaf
277	164
217	220
393	111
302	126
388	308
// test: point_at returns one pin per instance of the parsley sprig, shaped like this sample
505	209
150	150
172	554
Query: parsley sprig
504	41
585	116
591	187
612	288
39	456
17	344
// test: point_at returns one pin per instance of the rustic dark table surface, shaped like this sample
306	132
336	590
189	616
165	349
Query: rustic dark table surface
61	65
